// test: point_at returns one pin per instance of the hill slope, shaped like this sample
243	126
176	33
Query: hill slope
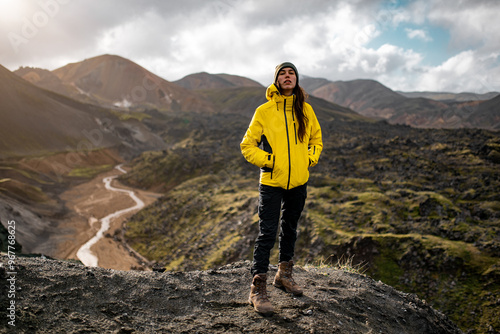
36	121
68	297
48	80
486	112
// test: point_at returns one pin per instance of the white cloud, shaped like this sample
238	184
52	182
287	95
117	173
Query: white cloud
324	38
472	24
418	34
466	71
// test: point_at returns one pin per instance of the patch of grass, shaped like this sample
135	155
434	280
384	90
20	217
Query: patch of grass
344	263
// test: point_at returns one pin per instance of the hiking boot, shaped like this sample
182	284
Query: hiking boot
284	279
258	295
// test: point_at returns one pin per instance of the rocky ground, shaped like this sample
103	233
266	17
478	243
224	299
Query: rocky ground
53	296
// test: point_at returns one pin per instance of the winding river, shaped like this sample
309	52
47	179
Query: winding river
85	255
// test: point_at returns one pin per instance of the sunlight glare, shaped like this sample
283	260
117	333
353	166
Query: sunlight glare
12	10
9	5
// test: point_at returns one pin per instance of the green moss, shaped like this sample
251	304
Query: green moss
218	256
490	205
357	183
126	115
471	255
439	198
24	173
385	265
175	264
438	147
25	192
89	172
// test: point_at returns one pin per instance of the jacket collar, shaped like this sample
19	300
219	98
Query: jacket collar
272	93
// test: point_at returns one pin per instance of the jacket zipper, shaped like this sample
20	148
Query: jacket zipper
295	132
288	142
293	119
272	170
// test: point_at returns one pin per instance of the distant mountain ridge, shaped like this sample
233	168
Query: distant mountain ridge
117	82
371	98
367	97
451	97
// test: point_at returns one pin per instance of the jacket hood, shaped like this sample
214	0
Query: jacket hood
272	91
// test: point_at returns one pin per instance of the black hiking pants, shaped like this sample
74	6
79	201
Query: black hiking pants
274	202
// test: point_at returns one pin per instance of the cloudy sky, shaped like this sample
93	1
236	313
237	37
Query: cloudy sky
433	45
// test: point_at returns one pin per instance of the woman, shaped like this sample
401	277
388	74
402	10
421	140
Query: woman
290	136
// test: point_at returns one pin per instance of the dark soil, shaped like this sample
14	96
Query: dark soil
66	297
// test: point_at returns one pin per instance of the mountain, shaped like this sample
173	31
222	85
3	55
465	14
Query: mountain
205	80
66	297
51	142
372	99
119	82
367	97
36	121
451	97
484	112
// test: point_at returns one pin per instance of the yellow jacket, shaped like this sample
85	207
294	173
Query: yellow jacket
283	159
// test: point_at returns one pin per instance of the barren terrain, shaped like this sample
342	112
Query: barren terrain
66	297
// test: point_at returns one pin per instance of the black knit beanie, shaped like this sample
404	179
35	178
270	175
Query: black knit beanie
282	66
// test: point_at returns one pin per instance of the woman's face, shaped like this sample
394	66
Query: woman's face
287	81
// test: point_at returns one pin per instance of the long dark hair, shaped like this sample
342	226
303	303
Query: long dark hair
298	108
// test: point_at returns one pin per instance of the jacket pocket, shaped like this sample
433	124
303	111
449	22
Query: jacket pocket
271	159
267	148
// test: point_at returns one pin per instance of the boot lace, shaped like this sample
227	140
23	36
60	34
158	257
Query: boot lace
261	290
287	274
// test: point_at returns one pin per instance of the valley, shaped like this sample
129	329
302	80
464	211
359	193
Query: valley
92	203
